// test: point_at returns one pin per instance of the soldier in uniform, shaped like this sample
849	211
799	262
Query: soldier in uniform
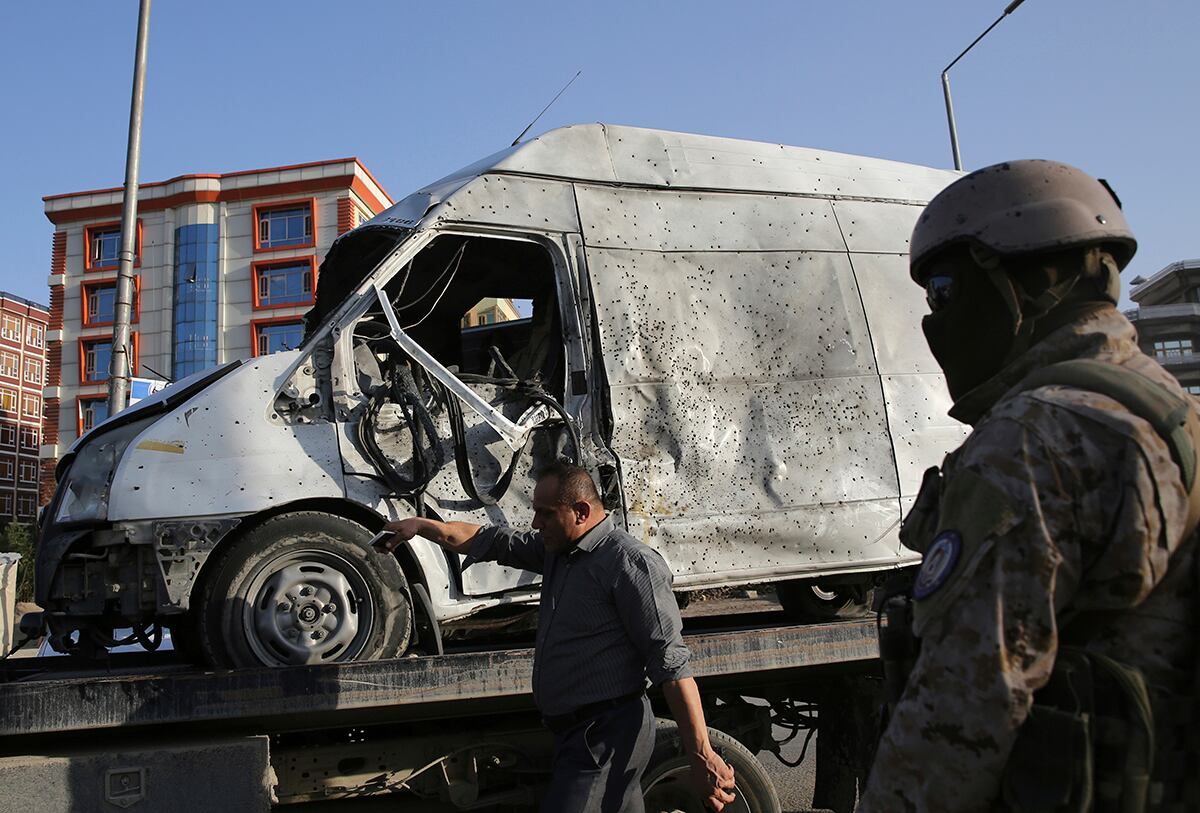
1055	609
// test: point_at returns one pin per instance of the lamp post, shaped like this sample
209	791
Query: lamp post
119	364
1009	9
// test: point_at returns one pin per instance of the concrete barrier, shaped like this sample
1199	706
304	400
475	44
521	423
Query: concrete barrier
8	600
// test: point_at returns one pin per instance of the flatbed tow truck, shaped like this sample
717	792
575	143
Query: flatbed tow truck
455	731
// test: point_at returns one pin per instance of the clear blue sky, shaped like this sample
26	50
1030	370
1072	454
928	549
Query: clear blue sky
416	90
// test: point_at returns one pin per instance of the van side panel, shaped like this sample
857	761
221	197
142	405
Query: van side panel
877	235
749	416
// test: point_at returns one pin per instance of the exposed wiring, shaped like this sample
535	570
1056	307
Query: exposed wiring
452	270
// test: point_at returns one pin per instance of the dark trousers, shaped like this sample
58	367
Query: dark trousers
599	762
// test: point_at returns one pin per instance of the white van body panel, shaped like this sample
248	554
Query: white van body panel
220	453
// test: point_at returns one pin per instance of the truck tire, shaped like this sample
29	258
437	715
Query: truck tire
304	588
666	785
814	601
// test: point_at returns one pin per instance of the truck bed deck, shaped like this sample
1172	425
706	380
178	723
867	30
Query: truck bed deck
461	684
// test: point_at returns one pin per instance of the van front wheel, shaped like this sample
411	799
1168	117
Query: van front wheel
304	588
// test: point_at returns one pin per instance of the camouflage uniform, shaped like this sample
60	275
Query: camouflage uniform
1065	502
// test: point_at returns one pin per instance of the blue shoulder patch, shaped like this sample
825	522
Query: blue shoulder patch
938	564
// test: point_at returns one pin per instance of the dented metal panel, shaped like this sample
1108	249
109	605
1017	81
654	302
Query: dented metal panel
537	204
657	220
913	386
236	458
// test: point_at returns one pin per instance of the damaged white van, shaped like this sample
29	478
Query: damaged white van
722	331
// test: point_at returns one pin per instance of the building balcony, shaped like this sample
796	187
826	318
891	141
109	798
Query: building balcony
1180	311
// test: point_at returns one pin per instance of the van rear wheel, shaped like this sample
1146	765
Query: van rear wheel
304	588
814	600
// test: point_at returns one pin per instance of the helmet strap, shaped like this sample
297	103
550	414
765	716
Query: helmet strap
1026	310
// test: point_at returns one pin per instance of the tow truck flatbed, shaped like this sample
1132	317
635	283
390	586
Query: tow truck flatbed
468	692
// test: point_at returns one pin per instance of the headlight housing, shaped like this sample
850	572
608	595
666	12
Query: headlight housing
86	484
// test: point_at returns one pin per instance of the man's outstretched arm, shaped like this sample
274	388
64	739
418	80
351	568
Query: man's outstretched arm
453	536
481	544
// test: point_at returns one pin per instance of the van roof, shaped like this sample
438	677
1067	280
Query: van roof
615	154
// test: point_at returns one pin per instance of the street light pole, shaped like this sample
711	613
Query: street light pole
119	364
946	81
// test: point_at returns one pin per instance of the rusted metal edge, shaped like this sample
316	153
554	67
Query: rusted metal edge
77	704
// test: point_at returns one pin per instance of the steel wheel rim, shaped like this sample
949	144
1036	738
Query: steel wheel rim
824	595
307	606
671	792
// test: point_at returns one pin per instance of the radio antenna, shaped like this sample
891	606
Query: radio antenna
517	140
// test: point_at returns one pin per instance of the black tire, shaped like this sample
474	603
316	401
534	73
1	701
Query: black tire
814	600
300	588
666	785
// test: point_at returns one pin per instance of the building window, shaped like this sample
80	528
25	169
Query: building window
29	437
33	371
10	364
8	434
10	327
99	303
284	283
272	337
102	246
31	406
6	469
105	247
92	411
96	356
27	471
1172	348
35	335
8	400
197	250
288	225
26	505
6	503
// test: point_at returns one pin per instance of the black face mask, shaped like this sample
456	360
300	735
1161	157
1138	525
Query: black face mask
971	330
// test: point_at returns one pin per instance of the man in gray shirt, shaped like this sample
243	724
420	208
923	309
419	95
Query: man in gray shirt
607	621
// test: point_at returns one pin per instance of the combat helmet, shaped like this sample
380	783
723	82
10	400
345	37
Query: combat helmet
1022	207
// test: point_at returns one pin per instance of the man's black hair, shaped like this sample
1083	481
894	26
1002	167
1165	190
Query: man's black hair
575	484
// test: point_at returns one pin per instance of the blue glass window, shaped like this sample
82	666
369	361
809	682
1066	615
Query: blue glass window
285	284
289	226
96	357
278	336
105	246
92	411
101	302
196	257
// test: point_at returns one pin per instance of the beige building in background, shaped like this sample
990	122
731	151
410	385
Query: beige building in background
489	311
226	266
1167	318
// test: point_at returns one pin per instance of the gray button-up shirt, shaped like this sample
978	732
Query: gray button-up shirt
607	620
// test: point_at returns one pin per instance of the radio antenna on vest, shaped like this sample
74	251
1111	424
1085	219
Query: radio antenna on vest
517	140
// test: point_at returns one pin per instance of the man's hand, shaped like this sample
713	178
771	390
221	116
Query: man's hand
403	529
712	779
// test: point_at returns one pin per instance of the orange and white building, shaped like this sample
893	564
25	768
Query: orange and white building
225	268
